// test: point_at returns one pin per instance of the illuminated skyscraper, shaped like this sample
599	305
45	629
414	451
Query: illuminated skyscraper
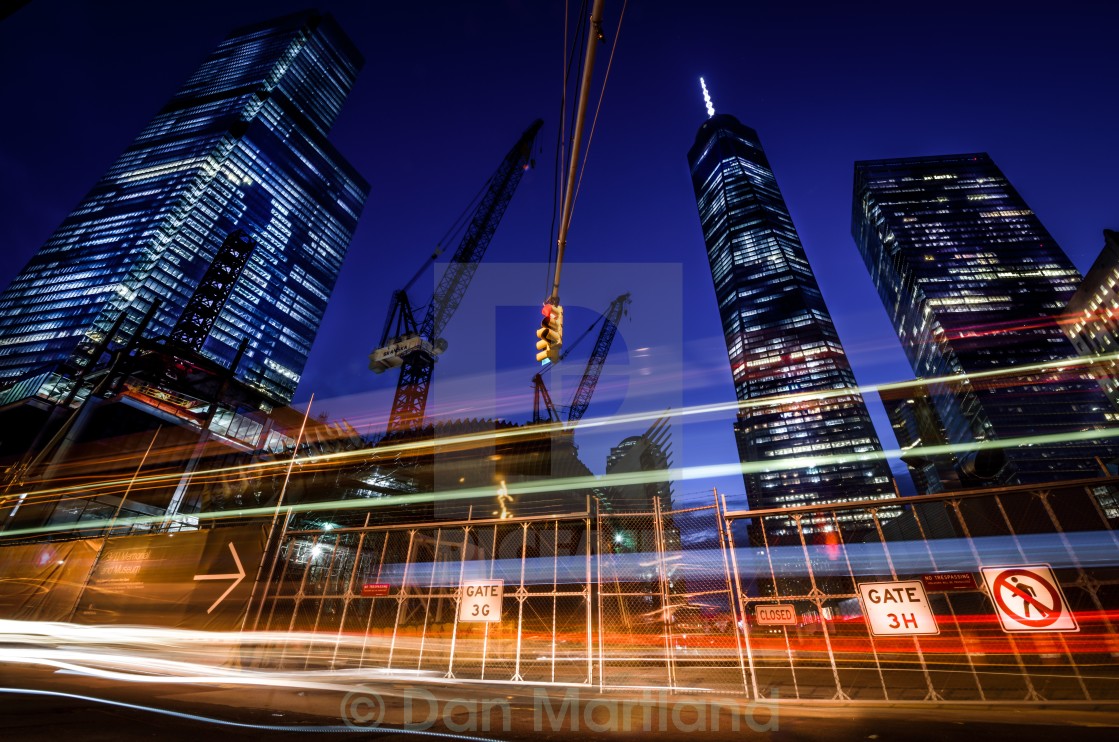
242	145
1093	317
648	452
786	359
974	284
917	426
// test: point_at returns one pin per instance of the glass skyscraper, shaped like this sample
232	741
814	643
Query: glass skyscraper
791	375
242	145
975	285
1092	323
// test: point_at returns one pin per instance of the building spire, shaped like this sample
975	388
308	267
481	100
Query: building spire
707	99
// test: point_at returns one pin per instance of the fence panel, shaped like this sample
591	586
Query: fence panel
390	596
825	560
770	604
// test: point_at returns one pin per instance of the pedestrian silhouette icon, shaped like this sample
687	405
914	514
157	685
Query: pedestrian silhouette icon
1028	591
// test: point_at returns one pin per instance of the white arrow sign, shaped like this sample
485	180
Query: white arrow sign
236	577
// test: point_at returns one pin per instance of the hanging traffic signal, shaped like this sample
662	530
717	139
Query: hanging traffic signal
550	334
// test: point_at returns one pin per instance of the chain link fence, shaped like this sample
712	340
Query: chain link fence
391	596
899	600
666	613
978	563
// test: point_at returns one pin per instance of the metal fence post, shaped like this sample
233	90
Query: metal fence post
486	626
932	695
348	595
297	600
777	594
1042	495
869	633
1031	691
401	596
592	552
521	595
666	604
450	674
817	596
737	610
555	598
598	581
951	608
427	600
373	601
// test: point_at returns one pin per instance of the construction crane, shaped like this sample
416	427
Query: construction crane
542	408
414	348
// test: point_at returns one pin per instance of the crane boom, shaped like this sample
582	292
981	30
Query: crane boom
453	284
587	384
542	403
420	346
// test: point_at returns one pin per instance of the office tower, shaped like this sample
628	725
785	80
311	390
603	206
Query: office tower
1092	323
790	371
646	453
917	426
242	145
975	285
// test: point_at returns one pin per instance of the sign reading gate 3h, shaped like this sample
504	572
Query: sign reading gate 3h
897	608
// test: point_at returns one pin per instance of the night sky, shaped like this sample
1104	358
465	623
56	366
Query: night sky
448	87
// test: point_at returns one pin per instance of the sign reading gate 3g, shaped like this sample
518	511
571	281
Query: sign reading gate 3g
481	600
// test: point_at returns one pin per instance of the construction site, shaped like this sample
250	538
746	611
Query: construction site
169	514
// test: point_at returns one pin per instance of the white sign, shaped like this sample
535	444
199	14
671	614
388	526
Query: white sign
897	608
1028	598
481	600
777	614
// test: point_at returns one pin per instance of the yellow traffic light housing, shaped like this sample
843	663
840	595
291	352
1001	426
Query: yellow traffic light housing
550	335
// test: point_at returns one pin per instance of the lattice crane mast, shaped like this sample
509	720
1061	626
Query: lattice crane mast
415	348
591	374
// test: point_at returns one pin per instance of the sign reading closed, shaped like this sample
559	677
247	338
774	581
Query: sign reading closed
778	614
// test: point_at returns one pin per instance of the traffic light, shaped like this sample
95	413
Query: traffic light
550	334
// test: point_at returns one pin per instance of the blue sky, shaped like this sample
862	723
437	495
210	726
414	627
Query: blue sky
448	87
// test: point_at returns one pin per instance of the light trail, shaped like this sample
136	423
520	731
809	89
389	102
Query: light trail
334	728
384	454
1092	550
569	484
425	447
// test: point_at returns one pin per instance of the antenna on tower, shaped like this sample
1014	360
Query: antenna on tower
707	99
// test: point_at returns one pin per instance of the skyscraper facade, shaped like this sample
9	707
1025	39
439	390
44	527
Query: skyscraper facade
651	451
918	429
242	145
790	372
976	288
1092	323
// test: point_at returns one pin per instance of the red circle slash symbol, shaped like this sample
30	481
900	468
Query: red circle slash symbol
1047	614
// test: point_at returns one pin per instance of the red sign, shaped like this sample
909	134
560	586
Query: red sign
943	582
374	590
1029	598
776	614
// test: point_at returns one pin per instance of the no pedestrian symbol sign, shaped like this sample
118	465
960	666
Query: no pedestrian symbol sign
1028	598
